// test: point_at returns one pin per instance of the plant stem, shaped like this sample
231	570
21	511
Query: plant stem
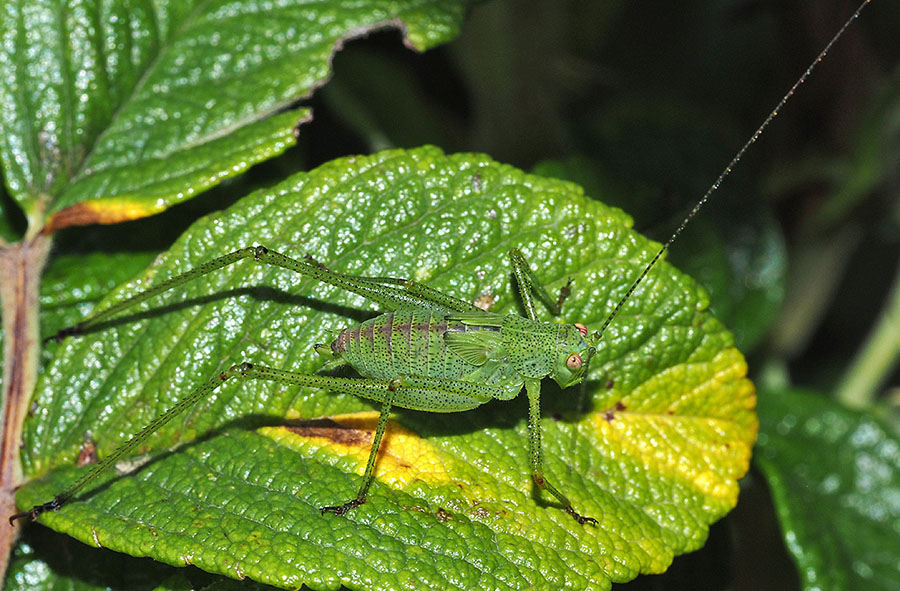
877	358
20	272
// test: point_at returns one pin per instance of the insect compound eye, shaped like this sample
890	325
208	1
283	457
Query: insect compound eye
574	361
581	328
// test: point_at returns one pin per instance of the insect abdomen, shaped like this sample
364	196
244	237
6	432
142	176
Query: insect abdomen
401	343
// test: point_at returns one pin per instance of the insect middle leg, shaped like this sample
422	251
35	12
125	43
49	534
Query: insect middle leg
533	389
421	393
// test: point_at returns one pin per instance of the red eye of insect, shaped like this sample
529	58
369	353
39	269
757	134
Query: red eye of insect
574	361
581	328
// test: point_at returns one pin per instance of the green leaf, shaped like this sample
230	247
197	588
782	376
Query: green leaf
118	111
47	561
655	460
73	284
835	476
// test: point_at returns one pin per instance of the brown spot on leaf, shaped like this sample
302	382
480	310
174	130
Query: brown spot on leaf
610	414
328	429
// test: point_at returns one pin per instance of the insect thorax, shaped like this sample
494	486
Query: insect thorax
530	345
540	349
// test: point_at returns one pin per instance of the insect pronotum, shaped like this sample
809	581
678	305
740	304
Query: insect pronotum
482	355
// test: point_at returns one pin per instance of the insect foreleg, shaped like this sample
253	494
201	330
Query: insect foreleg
529	284
533	388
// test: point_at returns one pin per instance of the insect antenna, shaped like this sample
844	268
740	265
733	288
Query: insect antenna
596	336
725	172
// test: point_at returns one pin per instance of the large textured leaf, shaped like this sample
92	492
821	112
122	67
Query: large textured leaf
655	460
835	477
114	111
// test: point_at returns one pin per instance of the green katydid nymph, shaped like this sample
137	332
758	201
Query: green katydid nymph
427	351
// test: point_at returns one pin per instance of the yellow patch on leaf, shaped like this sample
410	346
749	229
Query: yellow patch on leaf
693	423
404	457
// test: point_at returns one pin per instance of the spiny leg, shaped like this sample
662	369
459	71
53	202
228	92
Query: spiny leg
529	284
367	388
533	388
388	292
464	395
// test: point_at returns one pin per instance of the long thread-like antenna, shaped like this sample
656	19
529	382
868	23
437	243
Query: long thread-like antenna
712	189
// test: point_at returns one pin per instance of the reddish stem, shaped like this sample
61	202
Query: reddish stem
20	272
